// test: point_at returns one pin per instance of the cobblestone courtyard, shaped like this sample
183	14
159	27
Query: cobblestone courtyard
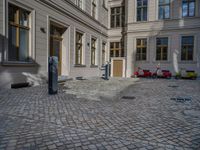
145	115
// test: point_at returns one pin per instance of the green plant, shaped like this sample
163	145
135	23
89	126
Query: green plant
178	75
191	75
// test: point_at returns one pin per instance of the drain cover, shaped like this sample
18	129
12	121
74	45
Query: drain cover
128	97
173	86
181	99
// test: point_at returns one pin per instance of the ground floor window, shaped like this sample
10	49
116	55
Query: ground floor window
93	51
116	49
18	24
162	48
187	48
141	49
79	48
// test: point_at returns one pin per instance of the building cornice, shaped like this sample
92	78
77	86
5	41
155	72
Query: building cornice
164	30
70	15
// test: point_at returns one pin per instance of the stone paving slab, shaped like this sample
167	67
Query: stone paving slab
31	119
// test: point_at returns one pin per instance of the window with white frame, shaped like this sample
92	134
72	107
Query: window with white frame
141	49
117	17
116	49
93	51
79	48
161	48
94	7
18	34
164	9
188	8
142	6
187	48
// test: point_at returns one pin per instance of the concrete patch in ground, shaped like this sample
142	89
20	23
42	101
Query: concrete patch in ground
97	88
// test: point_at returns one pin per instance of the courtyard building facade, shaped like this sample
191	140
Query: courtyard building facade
85	34
75	31
162	33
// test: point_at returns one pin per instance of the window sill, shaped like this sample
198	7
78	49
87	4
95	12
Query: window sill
161	61
19	64
142	21
188	17
165	19
143	61
187	62
80	66
93	66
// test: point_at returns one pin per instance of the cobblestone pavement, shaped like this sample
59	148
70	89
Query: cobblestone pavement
143	116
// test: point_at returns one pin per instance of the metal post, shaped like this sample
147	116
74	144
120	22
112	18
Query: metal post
107	69
53	75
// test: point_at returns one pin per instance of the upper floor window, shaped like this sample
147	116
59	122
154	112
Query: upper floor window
93	51
188	8
116	49
187	48
142	6
164	9
79	3
162	48
79	48
141	52
117	17
19	28
94	5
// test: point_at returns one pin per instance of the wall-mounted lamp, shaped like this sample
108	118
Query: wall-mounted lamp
42	30
88	44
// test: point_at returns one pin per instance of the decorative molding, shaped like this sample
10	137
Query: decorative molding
70	15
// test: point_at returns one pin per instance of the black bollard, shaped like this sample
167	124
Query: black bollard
53	75
107	70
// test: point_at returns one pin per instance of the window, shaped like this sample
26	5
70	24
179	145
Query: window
103	53
79	3
187	48
141	49
94	8
18	49
162	48
142	10
188	8
79	48
117	17
164	9
116	49
93	51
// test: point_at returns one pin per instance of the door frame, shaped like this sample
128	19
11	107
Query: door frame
52	37
65	44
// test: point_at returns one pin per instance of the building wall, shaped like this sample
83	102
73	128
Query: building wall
63	12
115	34
172	28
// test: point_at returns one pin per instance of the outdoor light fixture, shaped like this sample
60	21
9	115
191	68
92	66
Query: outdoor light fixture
42	30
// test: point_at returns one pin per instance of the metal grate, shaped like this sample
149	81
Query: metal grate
173	86
128	97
